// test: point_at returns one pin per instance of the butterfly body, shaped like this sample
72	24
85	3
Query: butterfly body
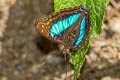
69	26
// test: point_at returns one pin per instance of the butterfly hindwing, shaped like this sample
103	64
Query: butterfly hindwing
84	31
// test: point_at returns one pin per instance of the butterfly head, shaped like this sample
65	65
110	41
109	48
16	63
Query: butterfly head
85	10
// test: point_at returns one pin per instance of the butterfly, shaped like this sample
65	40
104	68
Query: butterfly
69	26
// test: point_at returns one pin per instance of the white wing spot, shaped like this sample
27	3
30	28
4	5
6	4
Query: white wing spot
42	26
47	23
42	30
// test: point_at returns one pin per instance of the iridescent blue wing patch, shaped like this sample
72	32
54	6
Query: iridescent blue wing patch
69	26
61	25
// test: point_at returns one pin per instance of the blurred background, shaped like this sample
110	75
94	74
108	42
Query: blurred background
23	51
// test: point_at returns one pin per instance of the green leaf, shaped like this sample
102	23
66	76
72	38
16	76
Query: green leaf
78	58
97	11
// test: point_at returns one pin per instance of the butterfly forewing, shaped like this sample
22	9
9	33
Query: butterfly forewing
54	25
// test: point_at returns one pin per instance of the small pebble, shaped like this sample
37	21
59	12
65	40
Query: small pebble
4	78
115	25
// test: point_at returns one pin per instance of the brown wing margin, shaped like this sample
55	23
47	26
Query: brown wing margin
44	31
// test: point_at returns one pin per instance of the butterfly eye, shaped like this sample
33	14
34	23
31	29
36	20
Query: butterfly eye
81	9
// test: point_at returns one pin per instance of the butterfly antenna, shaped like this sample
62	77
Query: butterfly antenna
65	56
48	60
66	62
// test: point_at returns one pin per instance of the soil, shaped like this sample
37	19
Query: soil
26	55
